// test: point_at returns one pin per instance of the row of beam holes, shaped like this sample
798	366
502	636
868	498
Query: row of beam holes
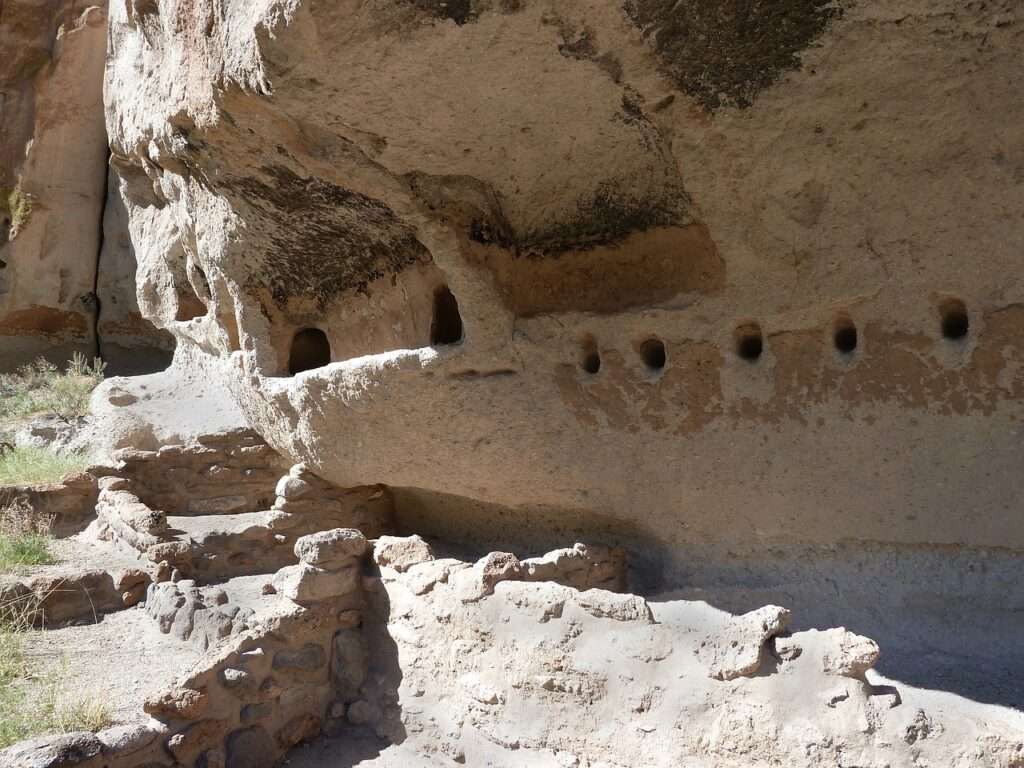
749	339
312	349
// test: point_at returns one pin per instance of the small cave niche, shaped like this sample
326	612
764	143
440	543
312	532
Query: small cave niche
190	304
954	319
590	356
189	307
844	335
652	352
446	326
310	349
749	342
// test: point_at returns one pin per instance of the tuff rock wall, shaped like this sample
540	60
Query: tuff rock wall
66	265
736	278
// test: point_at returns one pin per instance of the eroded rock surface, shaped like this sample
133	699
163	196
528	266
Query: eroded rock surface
640	263
67	265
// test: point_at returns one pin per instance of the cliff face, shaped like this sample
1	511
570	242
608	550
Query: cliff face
53	190
739	277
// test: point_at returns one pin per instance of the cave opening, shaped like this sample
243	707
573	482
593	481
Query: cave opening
310	349
446	327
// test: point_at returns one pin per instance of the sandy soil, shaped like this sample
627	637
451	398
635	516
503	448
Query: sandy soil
124	658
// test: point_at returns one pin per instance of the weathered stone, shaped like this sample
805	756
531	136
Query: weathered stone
401	552
364	713
331	549
349	663
738	649
298	729
251	713
308	658
66	751
610	605
848	654
290	487
126	739
199	737
251	748
237	680
306	584
177	703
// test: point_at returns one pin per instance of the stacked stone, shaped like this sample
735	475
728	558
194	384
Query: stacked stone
122	517
305	500
281	681
69	505
221	474
329	568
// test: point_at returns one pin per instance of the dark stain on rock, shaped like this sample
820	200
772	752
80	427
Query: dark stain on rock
725	52
324	240
465	11
606	217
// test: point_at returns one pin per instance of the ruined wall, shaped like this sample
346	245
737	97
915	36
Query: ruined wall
54	192
743	278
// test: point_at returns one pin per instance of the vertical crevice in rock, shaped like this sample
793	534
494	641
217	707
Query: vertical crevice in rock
100	241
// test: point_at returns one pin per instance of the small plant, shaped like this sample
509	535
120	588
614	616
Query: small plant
30	704
24	538
40	387
17	204
27	465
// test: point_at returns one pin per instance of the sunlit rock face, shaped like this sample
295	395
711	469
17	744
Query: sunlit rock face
53	155
728	277
67	268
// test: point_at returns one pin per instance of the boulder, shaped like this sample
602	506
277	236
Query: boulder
331	549
306	584
401	552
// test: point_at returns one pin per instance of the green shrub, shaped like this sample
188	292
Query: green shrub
17	204
26	465
41	387
24	538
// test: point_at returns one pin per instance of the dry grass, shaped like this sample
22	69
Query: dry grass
41	387
32	704
26	465
24	537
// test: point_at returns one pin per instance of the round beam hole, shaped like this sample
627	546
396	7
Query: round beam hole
652	352
844	336
749	342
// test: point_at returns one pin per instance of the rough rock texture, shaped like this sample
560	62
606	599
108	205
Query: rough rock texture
59	230
532	676
735	283
70	505
691	296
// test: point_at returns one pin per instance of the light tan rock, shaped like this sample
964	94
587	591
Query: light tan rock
401	552
738	649
331	549
306	584
848	654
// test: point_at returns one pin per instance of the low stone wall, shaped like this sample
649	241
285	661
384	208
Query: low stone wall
70	504
217	546
221	474
56	599
276	684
